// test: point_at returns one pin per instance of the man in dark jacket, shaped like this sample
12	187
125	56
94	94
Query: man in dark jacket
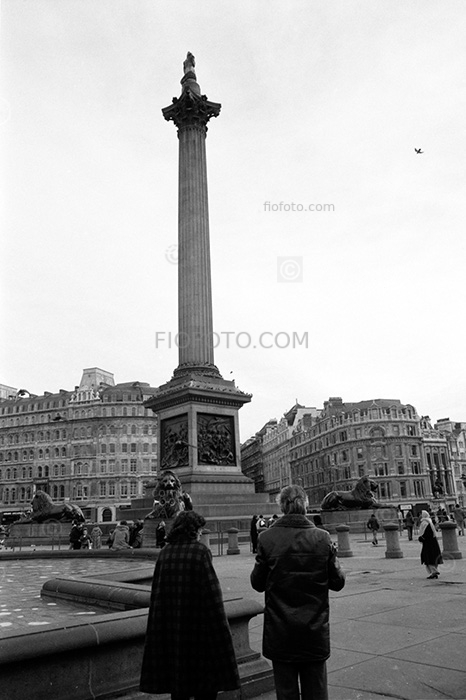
296	565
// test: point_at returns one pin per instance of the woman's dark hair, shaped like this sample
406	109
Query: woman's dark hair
186	526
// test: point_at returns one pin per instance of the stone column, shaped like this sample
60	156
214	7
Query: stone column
191	113
450	540
392	538
344	547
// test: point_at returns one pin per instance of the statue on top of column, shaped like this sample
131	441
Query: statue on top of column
188	65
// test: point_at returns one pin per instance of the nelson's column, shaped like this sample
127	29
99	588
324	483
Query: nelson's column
197	408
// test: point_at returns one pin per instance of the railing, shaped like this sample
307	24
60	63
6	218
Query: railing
217	540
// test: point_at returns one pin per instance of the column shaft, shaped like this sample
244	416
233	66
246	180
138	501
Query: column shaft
194	276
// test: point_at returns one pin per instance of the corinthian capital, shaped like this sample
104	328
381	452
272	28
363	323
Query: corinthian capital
191	110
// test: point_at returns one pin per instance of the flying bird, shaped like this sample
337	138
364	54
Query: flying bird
418	150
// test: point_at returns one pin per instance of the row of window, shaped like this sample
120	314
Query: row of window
107	489
24	494
344	456
96	412
78	451
45	471
83	432
11	474
357	415
329	440
62	403
146	447
379	469
28	455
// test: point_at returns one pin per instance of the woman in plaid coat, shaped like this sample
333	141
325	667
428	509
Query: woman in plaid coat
189	649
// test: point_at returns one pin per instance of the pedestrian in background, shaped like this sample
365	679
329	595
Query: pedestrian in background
253	533
261	524
296	565
188	649
458	514
399	515
160	534
120	537
431	555
373	525
75	535
410	524
96	537
134	536
85	540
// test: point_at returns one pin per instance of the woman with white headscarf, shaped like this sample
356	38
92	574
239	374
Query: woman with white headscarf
431	555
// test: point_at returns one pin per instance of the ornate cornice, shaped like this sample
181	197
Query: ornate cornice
199	390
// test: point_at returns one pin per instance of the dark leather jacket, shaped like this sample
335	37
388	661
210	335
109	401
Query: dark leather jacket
296	566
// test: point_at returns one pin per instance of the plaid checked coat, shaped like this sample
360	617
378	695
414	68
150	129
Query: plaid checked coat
188	649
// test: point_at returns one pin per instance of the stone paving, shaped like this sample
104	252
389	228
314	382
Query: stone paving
394	634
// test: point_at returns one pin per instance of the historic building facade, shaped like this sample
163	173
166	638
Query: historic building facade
277	445
252	456
381	438
455	435
332	448
94	446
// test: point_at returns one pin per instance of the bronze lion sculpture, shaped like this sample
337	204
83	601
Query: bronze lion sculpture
44	509
360	496
169	497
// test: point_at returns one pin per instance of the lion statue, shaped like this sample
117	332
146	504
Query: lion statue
44	509
360	496
169	497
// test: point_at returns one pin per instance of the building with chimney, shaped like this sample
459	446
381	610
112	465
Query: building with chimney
252	456
94	446
332	448
381	438
276	447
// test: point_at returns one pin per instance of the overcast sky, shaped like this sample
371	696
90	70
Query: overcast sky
323	103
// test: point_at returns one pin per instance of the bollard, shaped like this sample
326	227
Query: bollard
233	541
205	537
392	537
344	547
450	540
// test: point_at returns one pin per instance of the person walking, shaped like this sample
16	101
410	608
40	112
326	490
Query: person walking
400	517
431	555
373	525
458	514
296	566
188	648
410	524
